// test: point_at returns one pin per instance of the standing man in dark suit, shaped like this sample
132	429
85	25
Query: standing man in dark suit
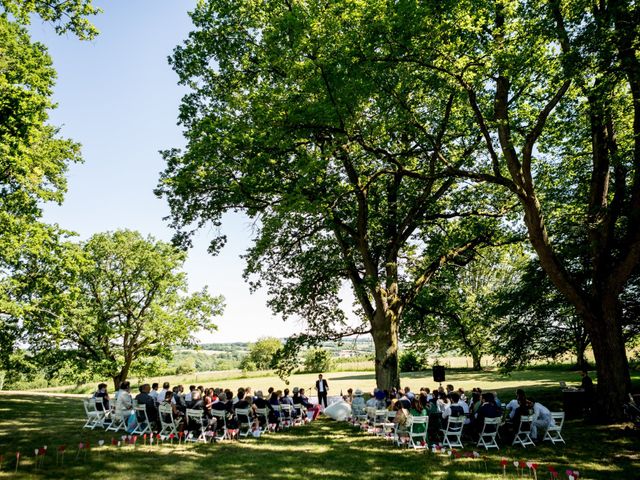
322	387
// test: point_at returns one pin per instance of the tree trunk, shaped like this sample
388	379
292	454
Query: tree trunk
581	361
120	377
385	340
477	360
614	380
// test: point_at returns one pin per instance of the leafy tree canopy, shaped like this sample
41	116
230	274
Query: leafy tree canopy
65	15
343	166
115	304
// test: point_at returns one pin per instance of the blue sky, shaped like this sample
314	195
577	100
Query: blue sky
119	98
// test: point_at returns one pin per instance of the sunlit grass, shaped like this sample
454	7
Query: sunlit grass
325	449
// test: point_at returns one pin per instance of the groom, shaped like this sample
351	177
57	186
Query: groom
322	387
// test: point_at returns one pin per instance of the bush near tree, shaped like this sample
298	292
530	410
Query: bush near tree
317	360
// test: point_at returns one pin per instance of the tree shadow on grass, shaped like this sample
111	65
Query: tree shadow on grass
324	449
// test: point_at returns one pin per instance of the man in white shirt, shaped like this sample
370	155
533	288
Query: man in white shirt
512	406
154	392
162	393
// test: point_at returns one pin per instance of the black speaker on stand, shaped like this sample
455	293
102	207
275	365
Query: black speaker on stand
438	374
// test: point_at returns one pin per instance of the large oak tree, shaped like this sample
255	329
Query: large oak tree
330	156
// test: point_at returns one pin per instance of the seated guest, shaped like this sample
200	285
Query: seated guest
143	398
102	393
178	400
475	403
261	403
349	396
274	401
487	409
372	402
154	392
163	393
417	410
408	393
188	398
124	401
358	404
542	419
513	405
286	399
457	408
463	397
314	409
242	402
177	414
197	402
381	399
406	398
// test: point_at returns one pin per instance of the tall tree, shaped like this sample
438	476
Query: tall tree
33	164
553	89
457	313
286	123
114	303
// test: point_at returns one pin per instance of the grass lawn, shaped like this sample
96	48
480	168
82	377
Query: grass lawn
324	449
341	381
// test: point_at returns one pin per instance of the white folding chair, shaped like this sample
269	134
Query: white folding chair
197	416
523	436
389	426
168	424
118	420
452	435
379	419
489	432
144	425
553	432
262	414
417	431
105	413
286	416
300	416
94	418
245	422
221	424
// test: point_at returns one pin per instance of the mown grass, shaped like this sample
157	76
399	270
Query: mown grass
341	381
325	449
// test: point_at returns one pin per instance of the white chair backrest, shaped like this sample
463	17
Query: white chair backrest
558	417
195	414
525	423
455	423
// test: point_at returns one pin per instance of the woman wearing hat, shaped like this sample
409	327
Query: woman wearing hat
357	405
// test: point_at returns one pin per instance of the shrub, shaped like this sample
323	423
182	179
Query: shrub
317	360
410	362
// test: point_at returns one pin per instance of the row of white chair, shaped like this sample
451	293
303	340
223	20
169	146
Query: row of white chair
413	433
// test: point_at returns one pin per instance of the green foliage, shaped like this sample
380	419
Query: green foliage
33	157
248	365
317	360
345	162
117	305
65	15
457	314
411	362
261	354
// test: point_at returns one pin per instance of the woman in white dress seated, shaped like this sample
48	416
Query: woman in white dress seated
542	420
